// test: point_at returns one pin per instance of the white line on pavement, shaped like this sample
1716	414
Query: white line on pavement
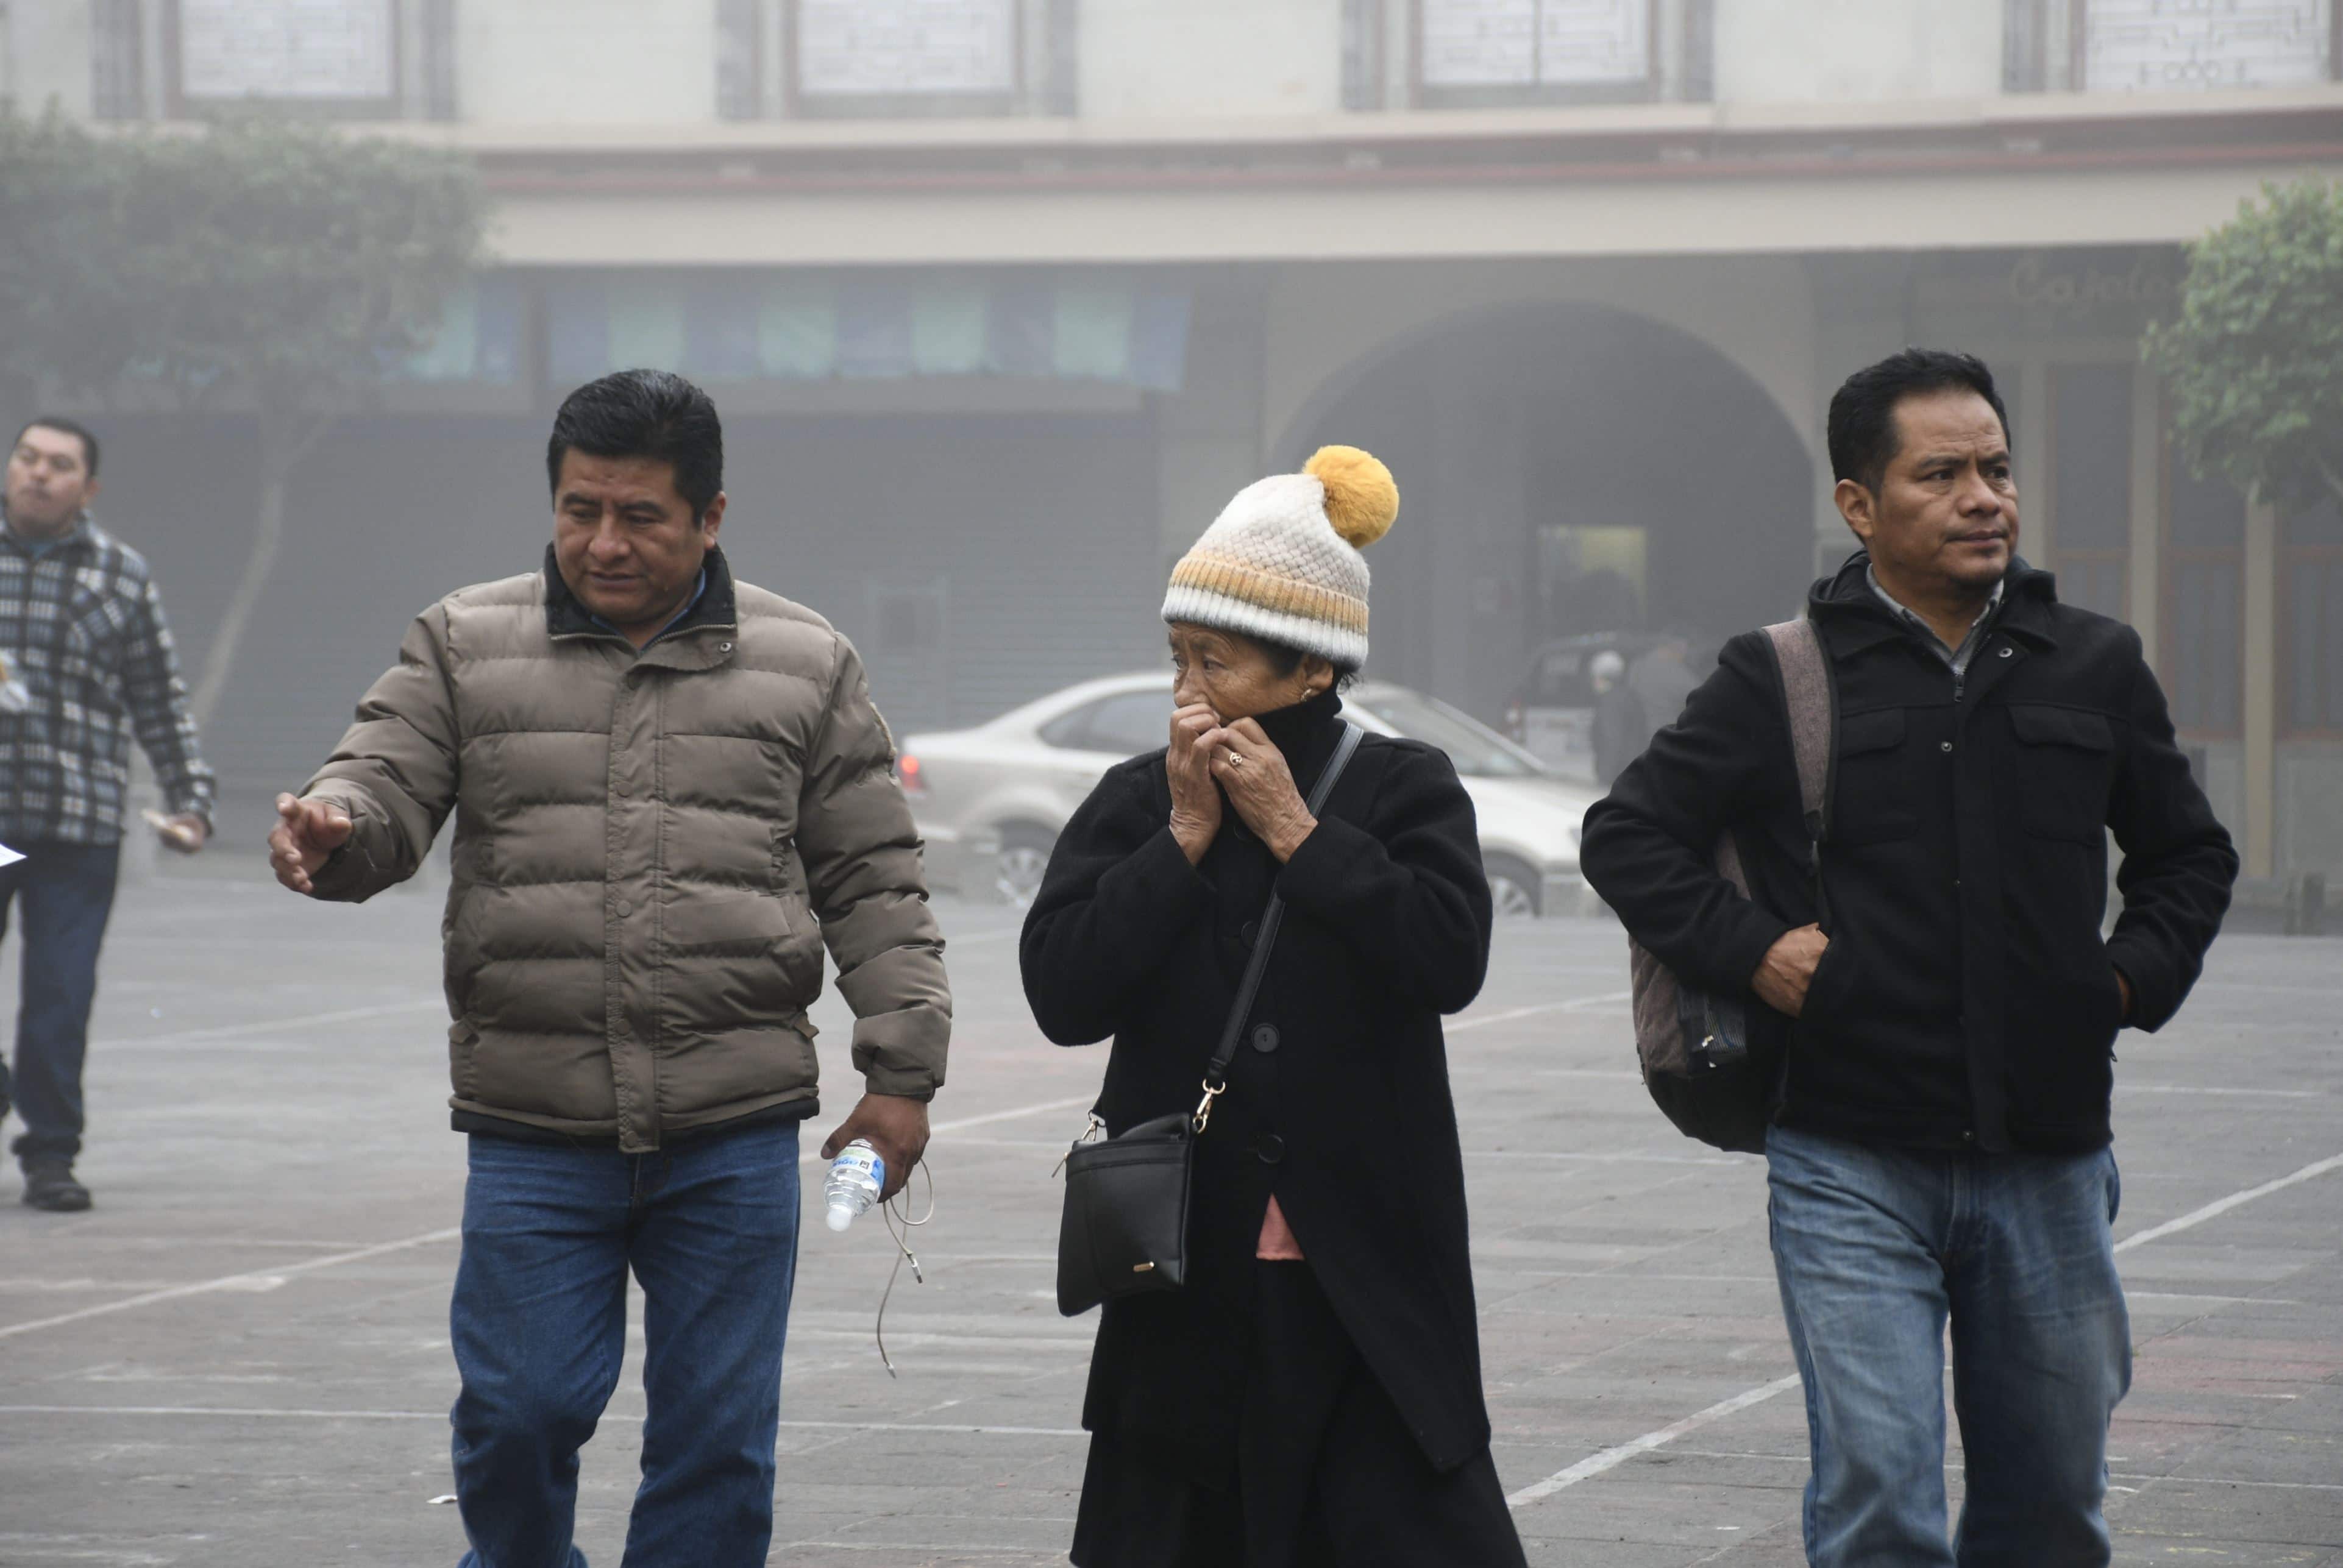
1574	1004
813	1155
1611	1458
2220	1206
987	1121
258	1279
979	937
252	1279
1955	1469
2203	1088
274	1025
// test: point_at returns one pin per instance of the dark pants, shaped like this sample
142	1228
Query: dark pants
710	1228
1328	1475
67	892
1876	1249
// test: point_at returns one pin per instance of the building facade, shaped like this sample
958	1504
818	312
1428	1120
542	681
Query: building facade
1002	299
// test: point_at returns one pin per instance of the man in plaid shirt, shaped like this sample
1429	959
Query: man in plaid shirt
89	664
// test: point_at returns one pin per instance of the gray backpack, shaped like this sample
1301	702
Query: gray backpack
1694	1046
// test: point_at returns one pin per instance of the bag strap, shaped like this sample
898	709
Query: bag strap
1216	1075
1806	691
1810	692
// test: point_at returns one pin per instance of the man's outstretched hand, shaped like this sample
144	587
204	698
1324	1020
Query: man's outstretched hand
307	832
895	1127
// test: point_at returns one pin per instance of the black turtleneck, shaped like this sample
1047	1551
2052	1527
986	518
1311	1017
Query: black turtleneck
1306	733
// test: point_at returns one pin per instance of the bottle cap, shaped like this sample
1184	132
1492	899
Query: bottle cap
841	1216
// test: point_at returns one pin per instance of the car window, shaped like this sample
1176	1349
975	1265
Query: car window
1124	725
1477	750
1561	678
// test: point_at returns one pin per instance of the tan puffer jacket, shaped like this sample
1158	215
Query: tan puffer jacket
650	850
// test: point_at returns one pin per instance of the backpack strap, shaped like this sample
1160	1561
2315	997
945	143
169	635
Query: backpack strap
1810	695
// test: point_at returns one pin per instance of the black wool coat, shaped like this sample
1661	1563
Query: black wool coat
1966	998
1338	1101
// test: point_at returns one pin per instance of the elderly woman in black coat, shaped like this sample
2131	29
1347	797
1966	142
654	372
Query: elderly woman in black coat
1311	1394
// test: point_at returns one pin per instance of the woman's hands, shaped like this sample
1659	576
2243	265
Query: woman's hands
1195	798
1207	758
1260	786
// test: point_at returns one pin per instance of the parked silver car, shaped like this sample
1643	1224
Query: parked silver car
991	800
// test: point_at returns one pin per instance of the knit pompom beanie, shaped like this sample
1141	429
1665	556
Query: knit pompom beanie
1281	563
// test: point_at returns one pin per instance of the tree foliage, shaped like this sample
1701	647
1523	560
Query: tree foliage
292	263
275	265
2253	361
68	318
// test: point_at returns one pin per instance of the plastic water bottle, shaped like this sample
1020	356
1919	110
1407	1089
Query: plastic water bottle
855	1180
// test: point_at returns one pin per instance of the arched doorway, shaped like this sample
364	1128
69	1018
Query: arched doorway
1565	469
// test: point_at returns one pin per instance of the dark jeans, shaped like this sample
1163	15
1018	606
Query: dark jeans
710	1228
67	890
1876	1250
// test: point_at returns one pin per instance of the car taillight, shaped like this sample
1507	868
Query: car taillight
907	769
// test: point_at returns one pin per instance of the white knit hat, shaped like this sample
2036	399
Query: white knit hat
1281	562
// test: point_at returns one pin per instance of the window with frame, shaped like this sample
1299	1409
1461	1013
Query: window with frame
2205	602
2157	45
2090	485
117	60
335	55
1491	53
852	57
2310	621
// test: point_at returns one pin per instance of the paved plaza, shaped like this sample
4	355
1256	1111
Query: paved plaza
241	1356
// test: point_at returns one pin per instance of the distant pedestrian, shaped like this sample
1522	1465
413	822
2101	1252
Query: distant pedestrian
89	666
1619	728
1662	680
671	789
1311	1394
1940	1149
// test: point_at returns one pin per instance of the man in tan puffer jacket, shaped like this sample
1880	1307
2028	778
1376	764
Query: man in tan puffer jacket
670	789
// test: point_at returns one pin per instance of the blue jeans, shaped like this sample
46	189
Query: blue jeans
540	1318
1875	1249
67	890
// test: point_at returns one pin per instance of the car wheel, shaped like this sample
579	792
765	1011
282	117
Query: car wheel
1024	856
1513	889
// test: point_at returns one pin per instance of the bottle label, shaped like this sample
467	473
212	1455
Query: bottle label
860	1159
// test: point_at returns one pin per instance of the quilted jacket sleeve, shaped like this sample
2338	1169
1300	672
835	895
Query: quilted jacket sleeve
861	855
395	769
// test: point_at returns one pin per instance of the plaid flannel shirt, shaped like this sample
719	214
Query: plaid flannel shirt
82	628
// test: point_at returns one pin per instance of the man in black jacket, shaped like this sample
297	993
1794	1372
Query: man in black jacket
1935	979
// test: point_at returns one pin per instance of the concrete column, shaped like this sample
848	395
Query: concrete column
2146	610
2261	689
2038	524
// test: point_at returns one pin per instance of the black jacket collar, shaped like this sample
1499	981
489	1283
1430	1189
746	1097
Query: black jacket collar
1307	733
1857	621
565	616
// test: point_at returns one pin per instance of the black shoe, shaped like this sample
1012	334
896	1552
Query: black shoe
49	1186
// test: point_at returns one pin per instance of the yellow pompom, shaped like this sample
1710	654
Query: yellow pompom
1362	501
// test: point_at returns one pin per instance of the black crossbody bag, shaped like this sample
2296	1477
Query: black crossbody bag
1124	1232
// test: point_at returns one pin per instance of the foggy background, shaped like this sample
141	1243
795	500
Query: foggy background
1002	299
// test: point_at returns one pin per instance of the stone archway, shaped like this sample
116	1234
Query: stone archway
1564	465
